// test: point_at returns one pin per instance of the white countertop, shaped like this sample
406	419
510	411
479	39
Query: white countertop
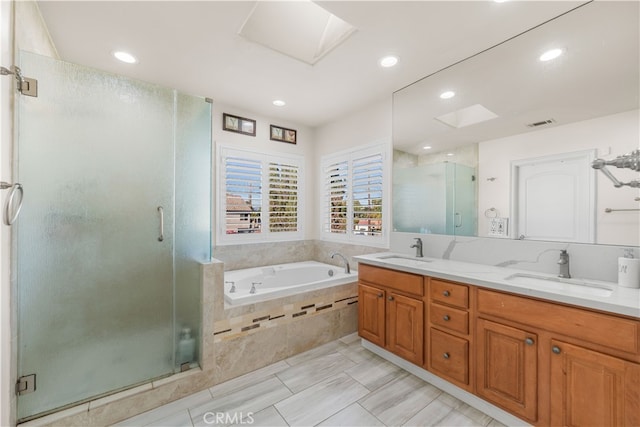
622	300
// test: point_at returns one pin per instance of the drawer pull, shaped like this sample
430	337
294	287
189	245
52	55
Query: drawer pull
446	293
446	355
390	298
528	341
380	295
446	318
556	349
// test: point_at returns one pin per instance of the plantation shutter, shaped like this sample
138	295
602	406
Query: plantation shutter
283	197
336	190
367	187
243	189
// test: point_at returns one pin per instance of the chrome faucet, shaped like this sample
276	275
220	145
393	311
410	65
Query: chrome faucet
253	287
418	246
347	269
563	262
233	286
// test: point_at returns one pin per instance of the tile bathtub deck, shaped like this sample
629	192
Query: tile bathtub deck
337	384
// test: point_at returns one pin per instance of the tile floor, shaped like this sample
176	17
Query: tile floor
337	384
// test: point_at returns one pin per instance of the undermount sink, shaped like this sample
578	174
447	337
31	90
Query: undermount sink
575	286
407	261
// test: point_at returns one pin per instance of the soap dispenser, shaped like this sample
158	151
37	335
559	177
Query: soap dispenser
186	347
629	270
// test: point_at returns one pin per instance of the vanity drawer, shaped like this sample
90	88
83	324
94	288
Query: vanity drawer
449	293
615	332
449	318
449	356
398	280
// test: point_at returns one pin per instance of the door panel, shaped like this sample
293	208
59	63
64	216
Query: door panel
95	290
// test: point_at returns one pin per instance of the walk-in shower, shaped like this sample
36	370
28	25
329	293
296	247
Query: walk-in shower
114	225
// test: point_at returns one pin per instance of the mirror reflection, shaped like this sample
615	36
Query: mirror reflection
501	144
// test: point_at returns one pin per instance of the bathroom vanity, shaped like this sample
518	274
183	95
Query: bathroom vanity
568	355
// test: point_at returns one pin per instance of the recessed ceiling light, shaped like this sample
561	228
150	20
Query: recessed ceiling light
448	94
279	103
550	54
388	61
427	147
500	1
125	57
449	154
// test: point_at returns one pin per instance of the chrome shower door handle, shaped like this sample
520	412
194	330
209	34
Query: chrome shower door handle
7	217
458	222
161	212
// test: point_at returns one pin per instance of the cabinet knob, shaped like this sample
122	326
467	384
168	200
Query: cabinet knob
446	355
529	341
446	318
446	293
380	295
556	349
390	298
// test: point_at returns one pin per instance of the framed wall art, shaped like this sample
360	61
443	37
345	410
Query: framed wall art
238	124
281	134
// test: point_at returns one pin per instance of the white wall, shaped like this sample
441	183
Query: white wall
261	143
31	35
611	136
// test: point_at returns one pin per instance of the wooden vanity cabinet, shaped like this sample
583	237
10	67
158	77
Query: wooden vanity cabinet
587	362
592	388
547	363
448	332
391	311
507	368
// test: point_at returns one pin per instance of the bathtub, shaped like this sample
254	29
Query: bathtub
282	280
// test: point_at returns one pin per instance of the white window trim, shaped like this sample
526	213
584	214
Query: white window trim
379	147
221	236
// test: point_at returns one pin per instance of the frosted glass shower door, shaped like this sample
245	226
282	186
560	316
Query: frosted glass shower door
94	268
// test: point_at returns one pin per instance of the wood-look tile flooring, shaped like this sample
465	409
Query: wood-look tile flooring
337	384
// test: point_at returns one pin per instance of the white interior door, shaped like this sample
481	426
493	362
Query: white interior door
554	197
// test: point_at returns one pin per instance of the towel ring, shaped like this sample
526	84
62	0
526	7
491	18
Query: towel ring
488	214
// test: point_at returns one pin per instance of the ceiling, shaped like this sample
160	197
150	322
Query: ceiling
195	47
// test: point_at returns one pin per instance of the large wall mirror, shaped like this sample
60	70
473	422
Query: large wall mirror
509	154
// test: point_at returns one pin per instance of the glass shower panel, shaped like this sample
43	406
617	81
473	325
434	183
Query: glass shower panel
193	213
94	281
465	200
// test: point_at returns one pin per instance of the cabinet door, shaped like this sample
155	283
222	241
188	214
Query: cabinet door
507	364
591	388
371	314
406	327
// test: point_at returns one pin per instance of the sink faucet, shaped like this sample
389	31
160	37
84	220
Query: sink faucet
563	262
418	246
347	269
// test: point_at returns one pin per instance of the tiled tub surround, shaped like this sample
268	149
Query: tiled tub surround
236	257
252	336
232	345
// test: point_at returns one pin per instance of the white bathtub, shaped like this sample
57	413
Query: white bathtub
282	280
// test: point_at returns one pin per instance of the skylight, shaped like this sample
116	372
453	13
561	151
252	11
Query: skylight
467	116
300	29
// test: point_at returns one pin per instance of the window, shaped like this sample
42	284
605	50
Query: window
259	196
354	186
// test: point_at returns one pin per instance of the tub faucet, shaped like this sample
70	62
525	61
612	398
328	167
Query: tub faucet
253	287
563	262
418	246
347	268
233	286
